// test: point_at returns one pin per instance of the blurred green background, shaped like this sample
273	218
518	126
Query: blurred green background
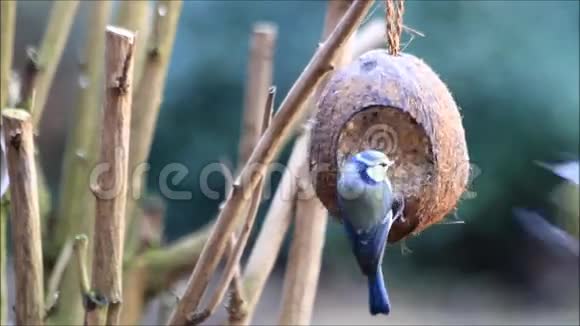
512	66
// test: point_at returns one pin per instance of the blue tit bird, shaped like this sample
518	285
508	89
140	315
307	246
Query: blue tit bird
368	208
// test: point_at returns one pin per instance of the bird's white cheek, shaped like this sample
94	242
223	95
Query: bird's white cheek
377	173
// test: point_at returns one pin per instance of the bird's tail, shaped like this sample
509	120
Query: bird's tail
378	297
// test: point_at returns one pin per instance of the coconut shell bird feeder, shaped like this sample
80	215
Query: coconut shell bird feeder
395	103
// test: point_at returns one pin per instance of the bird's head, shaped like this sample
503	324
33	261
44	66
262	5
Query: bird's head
370	165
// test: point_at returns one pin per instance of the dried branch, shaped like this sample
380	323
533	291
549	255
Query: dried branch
76	204
53	42
136	16
303	266
262	46
111	188
238	245
147	102
26	234
7	27
272	234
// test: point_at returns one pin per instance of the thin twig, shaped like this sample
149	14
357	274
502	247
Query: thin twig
76	204
50	51
56	276
111	187
80	248
147	102
25	217
267	149
236	304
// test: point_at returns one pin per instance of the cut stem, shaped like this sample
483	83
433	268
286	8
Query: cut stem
111	183
25	217
267	149
136	16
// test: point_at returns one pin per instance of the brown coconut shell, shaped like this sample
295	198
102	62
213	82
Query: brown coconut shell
398	105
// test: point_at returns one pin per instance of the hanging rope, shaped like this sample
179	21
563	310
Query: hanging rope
394	19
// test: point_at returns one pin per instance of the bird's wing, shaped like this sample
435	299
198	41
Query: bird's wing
369	245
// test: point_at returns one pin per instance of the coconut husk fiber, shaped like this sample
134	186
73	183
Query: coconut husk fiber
398	105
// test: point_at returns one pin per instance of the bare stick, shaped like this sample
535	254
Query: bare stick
111	187
136	16
262	156
7	27
53	42
303	266
147	102
259	80
238	245
25	218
